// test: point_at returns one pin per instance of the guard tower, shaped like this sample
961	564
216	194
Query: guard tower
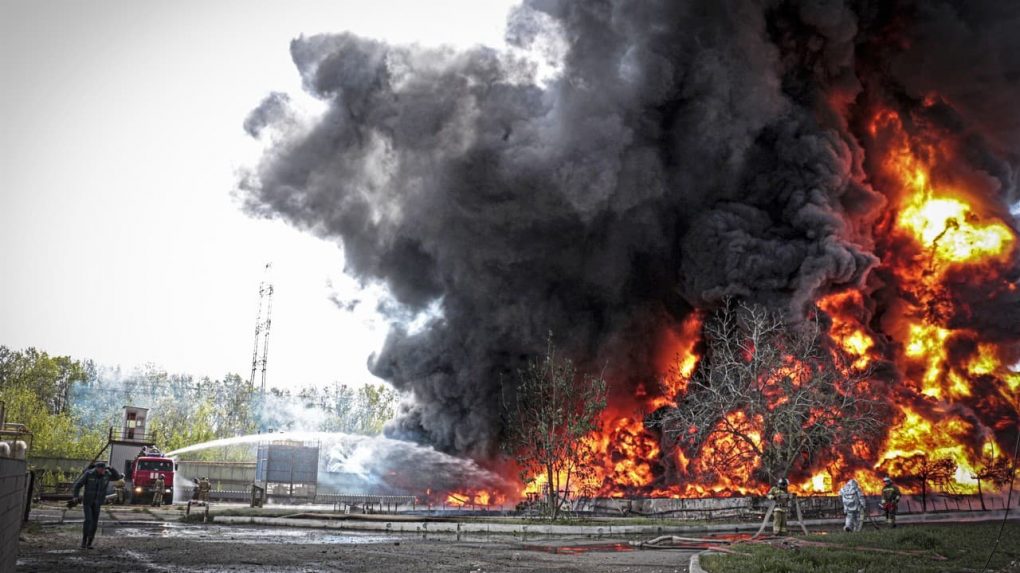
130	439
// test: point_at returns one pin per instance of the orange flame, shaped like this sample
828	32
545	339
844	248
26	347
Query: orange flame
949	234
474	498
936	235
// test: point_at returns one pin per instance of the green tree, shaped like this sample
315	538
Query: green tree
36	390
378	402
339	404
240	417
362	410
70	405
175	431
553	409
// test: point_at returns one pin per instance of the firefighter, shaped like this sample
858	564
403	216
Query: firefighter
853	506
890	500
94	481
119	491
203	489
157	491
781	496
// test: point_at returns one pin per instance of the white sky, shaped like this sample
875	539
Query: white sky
120	138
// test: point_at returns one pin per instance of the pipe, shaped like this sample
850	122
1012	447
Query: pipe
28	495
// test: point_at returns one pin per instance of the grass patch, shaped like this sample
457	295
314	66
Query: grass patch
965	547
31	528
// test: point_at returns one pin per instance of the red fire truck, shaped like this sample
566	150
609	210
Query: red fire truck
142	473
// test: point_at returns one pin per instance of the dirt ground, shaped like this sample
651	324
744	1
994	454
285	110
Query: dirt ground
194	548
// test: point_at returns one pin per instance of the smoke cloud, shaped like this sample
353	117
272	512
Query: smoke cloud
683	152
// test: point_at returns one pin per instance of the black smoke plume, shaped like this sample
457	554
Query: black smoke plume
683	152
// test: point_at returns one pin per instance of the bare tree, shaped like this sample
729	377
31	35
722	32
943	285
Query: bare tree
769	396
553	409
929	473
995	470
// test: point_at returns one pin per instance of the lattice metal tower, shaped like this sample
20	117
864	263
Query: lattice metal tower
263	320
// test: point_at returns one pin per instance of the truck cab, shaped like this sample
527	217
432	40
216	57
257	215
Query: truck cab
143	473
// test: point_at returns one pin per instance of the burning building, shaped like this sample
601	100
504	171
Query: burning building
852	163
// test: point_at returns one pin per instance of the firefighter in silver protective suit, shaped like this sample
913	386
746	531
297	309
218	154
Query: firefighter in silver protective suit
853	506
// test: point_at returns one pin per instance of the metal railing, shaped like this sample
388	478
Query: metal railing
130	435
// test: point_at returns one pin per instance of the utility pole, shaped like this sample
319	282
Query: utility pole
263	320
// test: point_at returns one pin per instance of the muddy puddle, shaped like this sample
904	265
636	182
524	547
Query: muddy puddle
241	535
579	549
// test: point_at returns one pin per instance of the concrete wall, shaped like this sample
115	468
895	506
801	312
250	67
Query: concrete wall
219	472
59	465
122	453
13	486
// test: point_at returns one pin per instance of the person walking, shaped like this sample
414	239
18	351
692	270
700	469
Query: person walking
781	496
94	482
890	500
853	506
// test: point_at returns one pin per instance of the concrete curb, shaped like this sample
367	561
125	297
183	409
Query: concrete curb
461	527
596	531
695	566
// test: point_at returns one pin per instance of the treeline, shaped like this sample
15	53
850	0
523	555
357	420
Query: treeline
70	405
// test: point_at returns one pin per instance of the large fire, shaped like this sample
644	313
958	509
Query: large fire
619	174
935	236
950	391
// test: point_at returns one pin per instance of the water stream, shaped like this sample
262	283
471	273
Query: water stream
382	465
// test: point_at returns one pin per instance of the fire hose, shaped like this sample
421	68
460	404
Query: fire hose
1009	501
871	520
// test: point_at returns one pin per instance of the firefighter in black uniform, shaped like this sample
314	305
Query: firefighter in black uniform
890	500
95	482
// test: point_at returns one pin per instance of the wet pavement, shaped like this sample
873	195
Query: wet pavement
202	533
152	546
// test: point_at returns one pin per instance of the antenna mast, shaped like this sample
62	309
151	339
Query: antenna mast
262	330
